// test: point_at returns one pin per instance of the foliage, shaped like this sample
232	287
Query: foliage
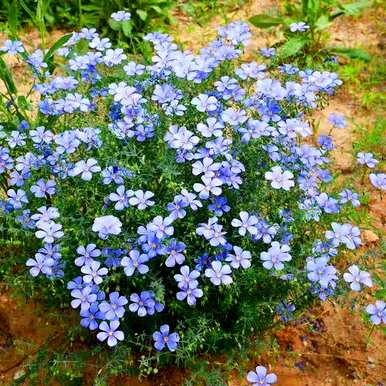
310	42
202	11
125	159
146	16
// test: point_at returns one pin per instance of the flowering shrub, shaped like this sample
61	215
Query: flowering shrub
182	203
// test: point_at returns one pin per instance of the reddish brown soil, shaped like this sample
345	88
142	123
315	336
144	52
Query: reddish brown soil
24	328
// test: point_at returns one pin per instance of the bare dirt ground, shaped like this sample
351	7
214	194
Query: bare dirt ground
330	346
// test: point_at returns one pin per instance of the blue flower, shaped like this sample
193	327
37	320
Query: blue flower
240	258
236	32
16	139
324	249
318	271
12	47
246	224
285	311
45	215
378	180
141	199
337	120
205	103
344	234
280	179
328	204
356	278
186	278
219	206
110	332
41	188
300	26
219	273
83	297
268	52
49	231
326	142
275	256
161	227
260	377
86	254
190	293
348	195
143	304
120	197
367	159
107	225
181	138
207	167
212	127
176	208
377	312
135	261
113	174
152	246
234	117
115	308
36	60
174	252
209	186
90	317
41	264
164	338
85	169
121	16
112	58
93	273
17	198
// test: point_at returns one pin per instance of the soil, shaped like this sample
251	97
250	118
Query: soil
329	346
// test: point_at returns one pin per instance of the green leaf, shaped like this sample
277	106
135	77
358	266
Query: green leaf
265	21
6	76
142	14
23	103
157	9
28	10
126	28
355	8
58	44
115	25
292	46
13	18
353	53
322	23
380	294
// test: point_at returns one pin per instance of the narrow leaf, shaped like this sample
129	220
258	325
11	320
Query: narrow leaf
355	8
58	44
353	53
265	21
6	76
13	18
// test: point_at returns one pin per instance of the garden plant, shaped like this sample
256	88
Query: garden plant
180	206
304	26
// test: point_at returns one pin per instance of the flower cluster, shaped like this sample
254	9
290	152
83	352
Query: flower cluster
150	186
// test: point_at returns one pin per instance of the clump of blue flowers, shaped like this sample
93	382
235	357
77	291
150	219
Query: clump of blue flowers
184	191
